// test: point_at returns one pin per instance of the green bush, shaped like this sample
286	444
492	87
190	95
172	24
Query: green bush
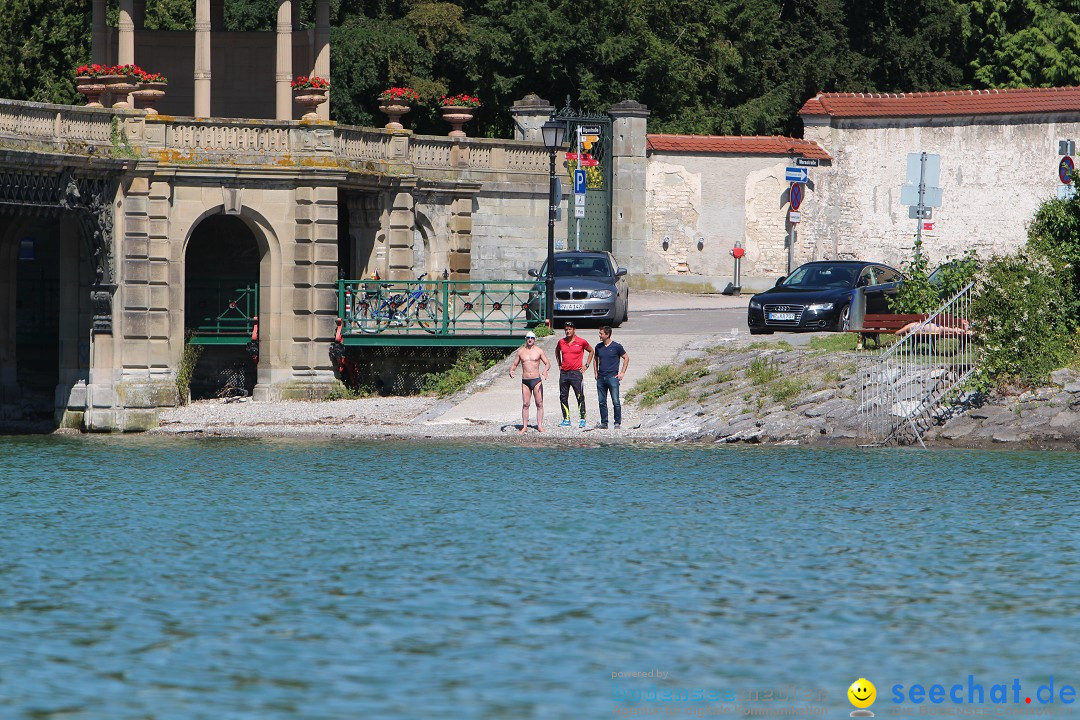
1055	234
189	358
1019	312
916	294
468	365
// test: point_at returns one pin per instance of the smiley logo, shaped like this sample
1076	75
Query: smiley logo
862	694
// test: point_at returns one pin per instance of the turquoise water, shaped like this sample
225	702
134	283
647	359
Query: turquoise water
150	578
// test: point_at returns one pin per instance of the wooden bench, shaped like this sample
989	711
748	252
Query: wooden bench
875	324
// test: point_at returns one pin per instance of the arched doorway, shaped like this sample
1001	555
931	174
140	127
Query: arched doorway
221	301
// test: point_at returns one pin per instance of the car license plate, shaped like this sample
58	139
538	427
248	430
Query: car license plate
570	306
781	316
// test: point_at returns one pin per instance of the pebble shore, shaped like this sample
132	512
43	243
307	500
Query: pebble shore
721	404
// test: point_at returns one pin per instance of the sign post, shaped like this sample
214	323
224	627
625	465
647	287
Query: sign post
797	175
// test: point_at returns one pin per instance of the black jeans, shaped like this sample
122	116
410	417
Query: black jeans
571	379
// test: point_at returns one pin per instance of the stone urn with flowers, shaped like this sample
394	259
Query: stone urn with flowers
395	102
310	93
151	91
130	77
93	80
458	110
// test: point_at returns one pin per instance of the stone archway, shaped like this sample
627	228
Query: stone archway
222	264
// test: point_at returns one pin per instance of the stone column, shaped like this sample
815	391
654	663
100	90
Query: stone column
99	35
284	73
461	237
530	113
629	224
126	35
322	52
202	58
400	235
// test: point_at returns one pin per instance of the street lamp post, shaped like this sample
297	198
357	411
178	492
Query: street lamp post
553	131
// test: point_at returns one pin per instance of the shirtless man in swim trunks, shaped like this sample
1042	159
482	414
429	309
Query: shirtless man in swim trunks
532	385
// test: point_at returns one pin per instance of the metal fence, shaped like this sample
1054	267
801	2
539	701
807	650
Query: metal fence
905	388
439	307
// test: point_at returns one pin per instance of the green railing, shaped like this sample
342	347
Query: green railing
222	312
387	312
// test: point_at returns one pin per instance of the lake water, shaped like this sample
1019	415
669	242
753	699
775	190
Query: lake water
154	578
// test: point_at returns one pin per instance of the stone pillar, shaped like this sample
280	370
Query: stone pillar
322	52
126	34
99	35
629	224
202	58
461	237
400	235
530	113
310	325
284	73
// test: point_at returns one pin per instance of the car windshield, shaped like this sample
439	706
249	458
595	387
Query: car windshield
822	276
580	266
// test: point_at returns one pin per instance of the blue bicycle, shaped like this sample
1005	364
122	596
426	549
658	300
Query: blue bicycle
375	311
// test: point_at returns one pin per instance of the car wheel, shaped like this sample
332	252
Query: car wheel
625	313
843	319
759	331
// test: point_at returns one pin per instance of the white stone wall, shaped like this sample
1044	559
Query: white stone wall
509	231
702	204
995	172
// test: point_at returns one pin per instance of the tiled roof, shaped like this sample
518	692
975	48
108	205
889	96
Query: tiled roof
948	102
737	144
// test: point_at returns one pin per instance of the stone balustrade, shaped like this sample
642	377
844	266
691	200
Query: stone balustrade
244	142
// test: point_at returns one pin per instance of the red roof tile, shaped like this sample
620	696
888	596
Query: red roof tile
736	145
948	102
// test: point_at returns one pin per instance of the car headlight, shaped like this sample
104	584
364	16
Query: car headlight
603	294
755	304
818	307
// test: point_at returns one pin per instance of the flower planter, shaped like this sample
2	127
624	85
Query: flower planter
120	89
394	109
309	99
94	87
457	117
148	95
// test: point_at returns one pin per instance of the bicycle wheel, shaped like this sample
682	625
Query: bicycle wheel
426	314
375	319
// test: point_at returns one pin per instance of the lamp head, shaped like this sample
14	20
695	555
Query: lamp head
553	131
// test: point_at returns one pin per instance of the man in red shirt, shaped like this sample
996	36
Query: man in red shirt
569	353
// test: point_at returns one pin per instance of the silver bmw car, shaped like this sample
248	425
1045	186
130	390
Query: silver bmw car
589	286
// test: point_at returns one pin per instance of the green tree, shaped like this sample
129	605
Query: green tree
43	44
1023	43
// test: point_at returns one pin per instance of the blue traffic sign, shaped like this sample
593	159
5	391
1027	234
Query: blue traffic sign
795	196
796	175
579	182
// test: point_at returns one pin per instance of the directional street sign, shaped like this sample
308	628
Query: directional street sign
590	162
579	182
795	195
806	162
796	175
588	129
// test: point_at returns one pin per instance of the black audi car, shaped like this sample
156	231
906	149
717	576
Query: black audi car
817	296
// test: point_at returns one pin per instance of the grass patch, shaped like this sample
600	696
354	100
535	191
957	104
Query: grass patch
664	380
344	392
834	342
542	331
778	345
785	390
762	371
468	365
